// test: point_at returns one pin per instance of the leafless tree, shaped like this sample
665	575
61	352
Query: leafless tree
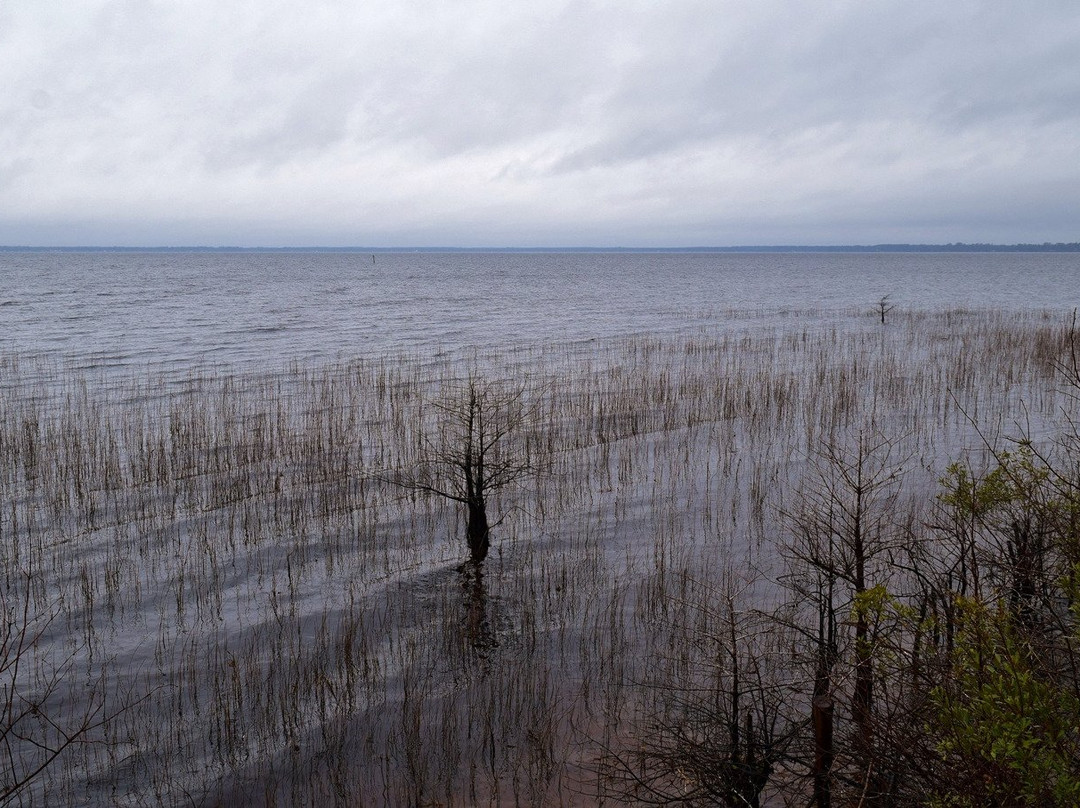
840	550
35	728
716	717
884	307
478	446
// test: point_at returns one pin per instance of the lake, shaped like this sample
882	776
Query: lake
240	309
230	572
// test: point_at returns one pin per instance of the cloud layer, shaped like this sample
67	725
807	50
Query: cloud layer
548	123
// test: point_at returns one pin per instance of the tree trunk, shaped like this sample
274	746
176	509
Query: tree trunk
823	749
478	531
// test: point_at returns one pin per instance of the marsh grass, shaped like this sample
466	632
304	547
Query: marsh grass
221	558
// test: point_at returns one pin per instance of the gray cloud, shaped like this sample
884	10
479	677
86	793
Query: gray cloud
479	122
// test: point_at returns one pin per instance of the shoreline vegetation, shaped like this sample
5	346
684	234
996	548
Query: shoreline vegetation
827	558
1059	247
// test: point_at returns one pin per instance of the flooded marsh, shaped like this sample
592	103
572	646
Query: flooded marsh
217	594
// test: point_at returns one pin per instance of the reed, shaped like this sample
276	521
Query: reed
219	560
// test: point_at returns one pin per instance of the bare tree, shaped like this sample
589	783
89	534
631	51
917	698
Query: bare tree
839	554
884	307
716	721
35	729
477	447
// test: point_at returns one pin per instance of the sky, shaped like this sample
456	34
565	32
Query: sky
395	123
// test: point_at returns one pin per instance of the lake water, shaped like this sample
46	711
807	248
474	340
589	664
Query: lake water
239	309
242	558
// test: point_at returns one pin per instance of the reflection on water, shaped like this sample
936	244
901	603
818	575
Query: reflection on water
478	631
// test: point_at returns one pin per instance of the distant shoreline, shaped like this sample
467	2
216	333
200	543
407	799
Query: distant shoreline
1058	247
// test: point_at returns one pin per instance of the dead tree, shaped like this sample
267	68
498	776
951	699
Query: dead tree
476	448
884	307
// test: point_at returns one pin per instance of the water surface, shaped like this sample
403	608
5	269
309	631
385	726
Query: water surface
238	309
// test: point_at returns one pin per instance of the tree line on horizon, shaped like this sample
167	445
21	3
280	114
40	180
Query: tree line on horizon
950	247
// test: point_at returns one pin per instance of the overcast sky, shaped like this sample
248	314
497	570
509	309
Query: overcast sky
540	123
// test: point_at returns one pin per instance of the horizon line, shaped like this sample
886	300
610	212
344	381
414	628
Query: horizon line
755	248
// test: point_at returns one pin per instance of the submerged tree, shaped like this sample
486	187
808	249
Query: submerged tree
884	307
477	447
